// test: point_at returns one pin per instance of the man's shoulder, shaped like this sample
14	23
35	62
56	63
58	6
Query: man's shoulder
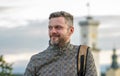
73	46
40	55
39	59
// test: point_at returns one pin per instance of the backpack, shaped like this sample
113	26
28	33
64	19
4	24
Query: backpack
81	60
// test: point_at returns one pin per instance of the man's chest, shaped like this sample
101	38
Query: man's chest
65	65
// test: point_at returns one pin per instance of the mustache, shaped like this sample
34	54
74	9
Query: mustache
54	35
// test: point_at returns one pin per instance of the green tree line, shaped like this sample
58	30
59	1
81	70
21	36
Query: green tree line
5	68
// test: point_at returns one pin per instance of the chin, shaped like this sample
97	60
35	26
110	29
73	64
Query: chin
55	42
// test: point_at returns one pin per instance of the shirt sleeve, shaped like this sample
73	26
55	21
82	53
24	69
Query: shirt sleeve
90	65
30	69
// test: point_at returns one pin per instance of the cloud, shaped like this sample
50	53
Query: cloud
19	61
4	8
106	56
12	22
33	35
17	12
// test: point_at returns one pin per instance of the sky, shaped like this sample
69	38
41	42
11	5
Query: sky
17	12
23	26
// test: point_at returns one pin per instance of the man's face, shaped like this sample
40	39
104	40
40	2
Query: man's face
59	31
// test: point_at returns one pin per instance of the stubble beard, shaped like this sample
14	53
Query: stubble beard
54	40
57	41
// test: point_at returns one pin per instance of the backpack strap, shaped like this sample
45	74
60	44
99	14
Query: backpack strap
81	60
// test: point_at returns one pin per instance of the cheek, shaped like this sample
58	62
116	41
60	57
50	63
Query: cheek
64	34
49	33
67	32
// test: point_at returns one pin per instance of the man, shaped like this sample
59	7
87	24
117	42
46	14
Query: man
60	58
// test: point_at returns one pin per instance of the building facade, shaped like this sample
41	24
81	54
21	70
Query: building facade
89	32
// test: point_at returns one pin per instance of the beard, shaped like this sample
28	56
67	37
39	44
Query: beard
58	40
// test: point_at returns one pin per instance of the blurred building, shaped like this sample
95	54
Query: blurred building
89	32
114	70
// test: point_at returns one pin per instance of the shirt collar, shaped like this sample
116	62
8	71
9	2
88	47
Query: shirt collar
62	48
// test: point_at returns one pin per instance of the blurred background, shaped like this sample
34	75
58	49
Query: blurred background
24	31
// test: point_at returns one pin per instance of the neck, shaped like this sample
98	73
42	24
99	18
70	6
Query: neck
60	45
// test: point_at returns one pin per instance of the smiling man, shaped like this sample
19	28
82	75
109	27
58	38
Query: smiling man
60	58
59	31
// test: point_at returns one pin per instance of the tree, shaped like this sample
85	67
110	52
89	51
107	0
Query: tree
5	68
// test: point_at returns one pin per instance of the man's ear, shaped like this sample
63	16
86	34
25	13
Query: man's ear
71	30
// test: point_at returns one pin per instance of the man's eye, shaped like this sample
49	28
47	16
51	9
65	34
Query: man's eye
50	27
58	27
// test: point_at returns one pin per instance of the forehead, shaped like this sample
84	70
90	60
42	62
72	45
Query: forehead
57	20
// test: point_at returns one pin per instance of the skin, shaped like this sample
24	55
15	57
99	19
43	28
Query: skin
59	31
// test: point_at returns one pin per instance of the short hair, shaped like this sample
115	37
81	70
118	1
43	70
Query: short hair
68	17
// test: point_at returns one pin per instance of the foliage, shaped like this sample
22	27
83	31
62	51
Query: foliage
5	68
